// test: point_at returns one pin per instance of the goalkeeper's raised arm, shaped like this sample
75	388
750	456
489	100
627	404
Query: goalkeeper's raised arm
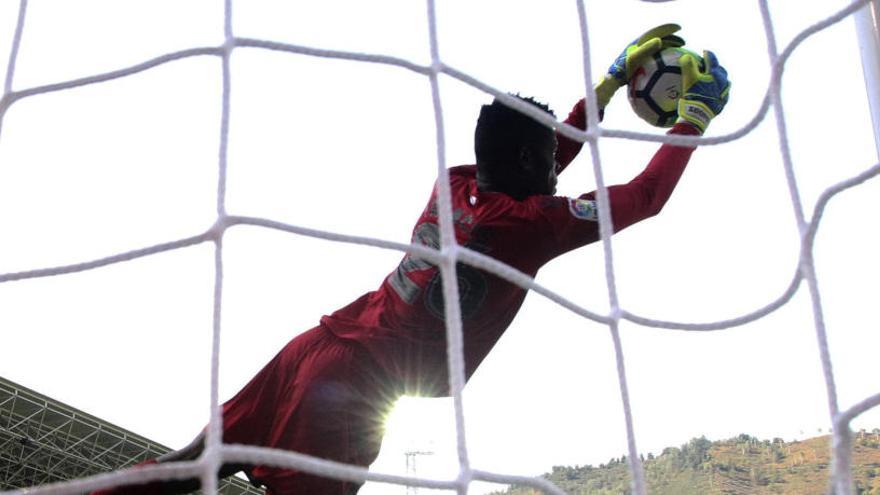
706	91
618	75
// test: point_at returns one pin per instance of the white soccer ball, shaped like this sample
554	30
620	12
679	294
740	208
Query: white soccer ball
655	88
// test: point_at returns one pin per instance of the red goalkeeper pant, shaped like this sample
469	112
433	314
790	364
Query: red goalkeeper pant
320	395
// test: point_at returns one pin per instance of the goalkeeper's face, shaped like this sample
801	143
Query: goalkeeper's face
540	162
524	166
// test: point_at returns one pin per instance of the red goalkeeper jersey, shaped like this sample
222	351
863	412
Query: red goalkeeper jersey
402	323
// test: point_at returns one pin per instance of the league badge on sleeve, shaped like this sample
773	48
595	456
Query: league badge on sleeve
583	209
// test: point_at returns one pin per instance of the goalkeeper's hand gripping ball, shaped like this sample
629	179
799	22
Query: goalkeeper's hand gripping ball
633	56
705	89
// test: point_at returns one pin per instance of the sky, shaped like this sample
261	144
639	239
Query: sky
351	148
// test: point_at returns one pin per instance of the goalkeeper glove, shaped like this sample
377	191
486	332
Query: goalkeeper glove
705	89
633	56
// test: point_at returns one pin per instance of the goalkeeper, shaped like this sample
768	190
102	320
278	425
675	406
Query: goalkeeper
328	390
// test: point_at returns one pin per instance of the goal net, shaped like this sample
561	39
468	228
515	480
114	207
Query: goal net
185	186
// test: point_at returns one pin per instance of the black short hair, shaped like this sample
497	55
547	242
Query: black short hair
501	132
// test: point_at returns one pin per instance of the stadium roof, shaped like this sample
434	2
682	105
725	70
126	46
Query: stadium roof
45	441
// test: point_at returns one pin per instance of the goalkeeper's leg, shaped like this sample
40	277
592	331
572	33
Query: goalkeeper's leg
190	452
321	396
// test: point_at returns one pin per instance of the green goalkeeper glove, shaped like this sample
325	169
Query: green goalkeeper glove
705	89
633	56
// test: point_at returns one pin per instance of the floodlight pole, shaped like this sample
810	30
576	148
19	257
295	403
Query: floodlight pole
868	31
411	467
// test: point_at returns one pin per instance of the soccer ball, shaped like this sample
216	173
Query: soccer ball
655	88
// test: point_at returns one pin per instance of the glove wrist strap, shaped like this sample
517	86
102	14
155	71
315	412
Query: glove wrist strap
695	112
605	89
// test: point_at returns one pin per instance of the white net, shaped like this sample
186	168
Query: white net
143	174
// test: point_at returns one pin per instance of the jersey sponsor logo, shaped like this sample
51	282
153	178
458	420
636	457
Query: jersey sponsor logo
472	290
584	209
472	284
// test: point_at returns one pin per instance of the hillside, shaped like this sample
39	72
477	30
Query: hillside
737	466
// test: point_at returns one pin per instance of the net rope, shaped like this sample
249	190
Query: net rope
216	453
